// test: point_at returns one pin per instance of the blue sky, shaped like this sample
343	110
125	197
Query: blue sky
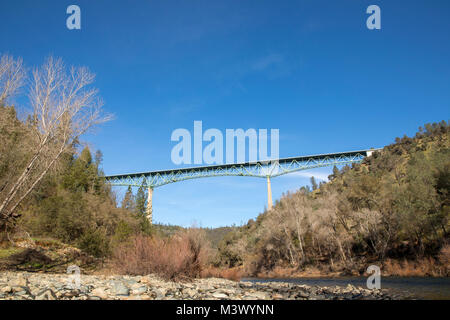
309	68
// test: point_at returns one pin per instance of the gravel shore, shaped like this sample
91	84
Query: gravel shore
45	286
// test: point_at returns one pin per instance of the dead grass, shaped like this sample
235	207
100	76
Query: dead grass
418	268
286	272
444	256
234	274
48	243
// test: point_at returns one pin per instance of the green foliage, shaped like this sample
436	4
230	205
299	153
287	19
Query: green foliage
314	184
393	205
14	146
72	203
77	207
7	252
123	232
83	174
94	242
145	226
141	197
128	202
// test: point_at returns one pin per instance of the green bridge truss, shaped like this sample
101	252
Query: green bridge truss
259	169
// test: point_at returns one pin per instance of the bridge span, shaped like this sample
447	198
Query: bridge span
259	169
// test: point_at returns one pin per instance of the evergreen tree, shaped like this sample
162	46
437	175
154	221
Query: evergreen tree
314	183
335	173
128	202
82	174
98	158
141	197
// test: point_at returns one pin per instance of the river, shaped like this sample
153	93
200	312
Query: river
414	287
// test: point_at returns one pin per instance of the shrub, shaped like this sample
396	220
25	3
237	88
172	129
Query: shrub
230	274
122	232
444	257
94	243
180	257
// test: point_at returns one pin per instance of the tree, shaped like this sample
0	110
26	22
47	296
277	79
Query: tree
140	201
314	183
335	173
12	76
98	158
64	107
82	174
128	202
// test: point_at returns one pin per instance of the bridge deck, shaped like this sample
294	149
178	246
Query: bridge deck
261	169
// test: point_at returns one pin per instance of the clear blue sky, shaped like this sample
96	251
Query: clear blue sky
309	68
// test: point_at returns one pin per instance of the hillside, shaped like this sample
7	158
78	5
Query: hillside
392	209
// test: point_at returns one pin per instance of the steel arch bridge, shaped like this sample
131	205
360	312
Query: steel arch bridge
259	169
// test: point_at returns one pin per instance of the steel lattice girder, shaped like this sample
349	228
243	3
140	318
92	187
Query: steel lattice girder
259	169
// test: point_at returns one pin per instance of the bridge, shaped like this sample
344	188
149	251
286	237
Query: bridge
259	169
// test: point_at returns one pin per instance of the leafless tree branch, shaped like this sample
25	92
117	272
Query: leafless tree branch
12	76
64	107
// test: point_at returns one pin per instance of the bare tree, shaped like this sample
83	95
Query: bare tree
64	106
12	76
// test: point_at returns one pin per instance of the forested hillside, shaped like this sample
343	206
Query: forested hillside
50	186
72	203
392	209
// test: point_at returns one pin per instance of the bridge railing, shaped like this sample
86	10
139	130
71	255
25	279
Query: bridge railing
259	169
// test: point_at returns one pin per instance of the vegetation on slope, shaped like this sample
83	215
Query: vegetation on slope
47	188
392	207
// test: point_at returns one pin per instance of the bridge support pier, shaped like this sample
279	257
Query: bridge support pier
269	195
149	208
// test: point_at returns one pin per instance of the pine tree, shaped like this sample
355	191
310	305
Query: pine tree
141	197
128	200
98	157
335	173
314	183
82	174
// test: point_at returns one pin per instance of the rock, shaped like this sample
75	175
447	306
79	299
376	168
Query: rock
119	289
19	290
302	294
131	298
71	293
21	281
219	295
190	292
45	286
357	296
138	289
99	292
350	288
258	295
160	293
47	294
6	289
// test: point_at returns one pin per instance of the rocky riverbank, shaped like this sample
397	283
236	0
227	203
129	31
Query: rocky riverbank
45	286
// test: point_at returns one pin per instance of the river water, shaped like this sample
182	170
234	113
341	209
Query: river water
414	287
